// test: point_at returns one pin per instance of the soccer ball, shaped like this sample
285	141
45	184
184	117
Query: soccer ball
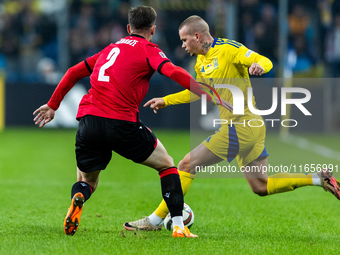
188	218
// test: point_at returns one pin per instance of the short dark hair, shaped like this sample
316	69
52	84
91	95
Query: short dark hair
142	17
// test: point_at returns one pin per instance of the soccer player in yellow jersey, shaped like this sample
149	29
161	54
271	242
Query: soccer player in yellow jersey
229	62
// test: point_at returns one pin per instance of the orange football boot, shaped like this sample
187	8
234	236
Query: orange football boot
72	219
178	232
329	183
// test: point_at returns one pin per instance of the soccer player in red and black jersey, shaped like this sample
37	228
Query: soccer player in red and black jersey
109	117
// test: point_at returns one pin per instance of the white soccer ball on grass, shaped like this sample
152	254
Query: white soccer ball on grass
188	218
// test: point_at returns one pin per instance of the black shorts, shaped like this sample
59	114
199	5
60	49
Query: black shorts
97	137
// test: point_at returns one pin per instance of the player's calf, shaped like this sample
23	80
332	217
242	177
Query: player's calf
173	194
172	191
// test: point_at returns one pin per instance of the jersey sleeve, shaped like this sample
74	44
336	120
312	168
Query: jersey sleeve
156	57
184	79
73	74
182	97
91	61
246	57
71	77
265	63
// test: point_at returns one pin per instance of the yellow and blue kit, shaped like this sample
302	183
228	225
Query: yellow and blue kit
227	62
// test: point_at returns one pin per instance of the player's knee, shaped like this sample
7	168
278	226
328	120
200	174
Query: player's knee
260	190
184	166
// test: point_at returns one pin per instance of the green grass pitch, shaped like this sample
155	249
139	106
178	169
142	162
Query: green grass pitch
37	170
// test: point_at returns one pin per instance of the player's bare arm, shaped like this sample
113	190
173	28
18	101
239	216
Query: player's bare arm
155	104
44	114
256	69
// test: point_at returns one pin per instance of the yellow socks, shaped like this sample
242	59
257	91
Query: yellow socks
186	181
283	182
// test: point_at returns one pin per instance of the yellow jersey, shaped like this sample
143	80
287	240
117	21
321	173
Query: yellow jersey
226	62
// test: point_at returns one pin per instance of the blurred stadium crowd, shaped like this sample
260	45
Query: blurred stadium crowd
29	33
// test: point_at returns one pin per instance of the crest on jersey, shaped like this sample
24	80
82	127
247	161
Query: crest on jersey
212	66
162	55
215	61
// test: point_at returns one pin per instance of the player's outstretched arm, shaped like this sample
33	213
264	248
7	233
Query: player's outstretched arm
71	77
155	104
44	114
159	103
183	78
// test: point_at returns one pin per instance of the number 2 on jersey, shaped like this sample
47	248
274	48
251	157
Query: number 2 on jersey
112	58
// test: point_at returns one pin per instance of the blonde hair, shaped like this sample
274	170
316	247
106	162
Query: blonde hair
195	24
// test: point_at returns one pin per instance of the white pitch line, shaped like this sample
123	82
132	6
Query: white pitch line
310	146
